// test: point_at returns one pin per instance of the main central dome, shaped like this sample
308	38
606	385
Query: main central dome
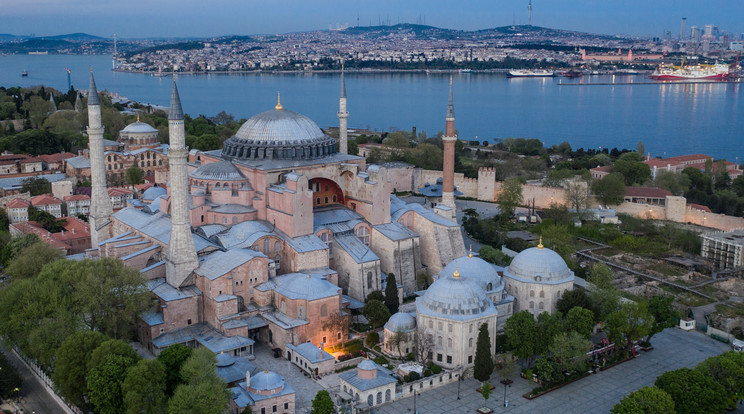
279	134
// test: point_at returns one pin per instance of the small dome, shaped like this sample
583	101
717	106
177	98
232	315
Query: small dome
367	365
139	128
266	381
401	322
455	296
220	171
153	193
540	265
476	270
224	360
279	134
308	286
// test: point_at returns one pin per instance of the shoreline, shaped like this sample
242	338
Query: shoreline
309	72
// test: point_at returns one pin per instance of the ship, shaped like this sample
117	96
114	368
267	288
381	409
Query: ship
24	73
529	73
718	71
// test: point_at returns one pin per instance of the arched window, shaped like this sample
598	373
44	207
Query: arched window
327	239
317	201
277	261
542	293
235	220
323	310
532	293
379	398
370	400
449	342
387	395
439	340
532	305
489	287
369	280
266	246
541	306
363	234
470	342
160	161
326	187
326	200
284	306
271	337
276	247
334	198
109	158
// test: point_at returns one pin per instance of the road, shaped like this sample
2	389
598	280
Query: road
34	397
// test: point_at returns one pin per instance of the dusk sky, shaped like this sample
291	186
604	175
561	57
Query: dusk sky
198	18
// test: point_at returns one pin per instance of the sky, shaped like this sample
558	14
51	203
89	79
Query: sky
204	18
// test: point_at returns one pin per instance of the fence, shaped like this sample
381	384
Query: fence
46	382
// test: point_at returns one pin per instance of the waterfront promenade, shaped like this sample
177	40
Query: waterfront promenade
673	349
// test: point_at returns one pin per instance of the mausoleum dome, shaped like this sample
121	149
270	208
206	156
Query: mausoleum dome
401	322
266	381
139	127
278	134
538	264
476	270
455	296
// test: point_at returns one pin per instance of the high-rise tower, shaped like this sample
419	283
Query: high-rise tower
529	13
448	172
343	115
683	29
182	258
100	203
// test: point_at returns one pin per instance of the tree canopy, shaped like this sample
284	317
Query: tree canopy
376	312
391	294
483	358
172	359
509	197
203	391
104	384
609	189
144	388
693	392
322	403
647	400
522	335
70	365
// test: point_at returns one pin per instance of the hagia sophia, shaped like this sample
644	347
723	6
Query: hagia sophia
277	233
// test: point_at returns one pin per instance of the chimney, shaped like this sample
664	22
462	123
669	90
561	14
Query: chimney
320	348
247	379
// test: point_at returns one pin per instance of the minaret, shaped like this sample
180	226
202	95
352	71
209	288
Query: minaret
343	115
181	259
448	172
100	203
51	100
529	14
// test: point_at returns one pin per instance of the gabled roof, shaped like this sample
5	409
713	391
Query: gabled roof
18	203
649	192
157	226
45	199
220	263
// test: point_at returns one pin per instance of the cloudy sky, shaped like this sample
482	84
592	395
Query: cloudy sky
198	18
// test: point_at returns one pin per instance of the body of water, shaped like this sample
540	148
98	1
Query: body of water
671	119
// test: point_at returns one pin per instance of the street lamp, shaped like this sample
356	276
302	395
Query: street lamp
459	378
506	382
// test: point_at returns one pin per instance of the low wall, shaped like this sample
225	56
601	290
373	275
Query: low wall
348	363
719	333
429	383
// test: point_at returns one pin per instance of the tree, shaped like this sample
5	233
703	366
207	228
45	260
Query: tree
506	365
396	338
323	403
144	388
573	298
108	348
569	351
172	359
483	358
47	221
726	369
203	391
601	276
693	392
633	170
376	295
581	321
376	312
577	195
391	294
609	189
547	327
31	260
424	343
36	186
522	335
664	314
485	392
104	384
647	400
630	322
509	197
676	183
4	220
15	245
70	364
134	175
738	185
641	149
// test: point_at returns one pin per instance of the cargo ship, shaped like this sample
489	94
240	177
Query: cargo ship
530	73
718	71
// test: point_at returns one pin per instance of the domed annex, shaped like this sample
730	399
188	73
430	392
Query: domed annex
485	274
404	325
278	134
455	296
138	135
538	277
266	382
401	322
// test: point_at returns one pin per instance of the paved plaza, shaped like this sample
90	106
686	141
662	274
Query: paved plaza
305	388
673	349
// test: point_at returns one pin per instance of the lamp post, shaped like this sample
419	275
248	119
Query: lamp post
507	383
459	378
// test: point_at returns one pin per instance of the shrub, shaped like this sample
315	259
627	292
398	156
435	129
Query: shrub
427	373
413	376
372	338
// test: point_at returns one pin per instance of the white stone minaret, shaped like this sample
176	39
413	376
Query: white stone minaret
448	172
181	259
343	115
100	203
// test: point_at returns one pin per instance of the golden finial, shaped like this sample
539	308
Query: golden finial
471	251
456	274
278	106
266	371
137	116
540	245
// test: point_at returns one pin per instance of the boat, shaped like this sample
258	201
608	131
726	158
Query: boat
626	72
571	73
466	70
24	73
529	73
717	71
159	73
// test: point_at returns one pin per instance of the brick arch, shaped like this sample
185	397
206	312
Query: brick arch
325	191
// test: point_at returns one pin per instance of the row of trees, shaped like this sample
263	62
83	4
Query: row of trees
715	385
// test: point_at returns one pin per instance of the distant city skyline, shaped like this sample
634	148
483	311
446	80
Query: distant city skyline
191	18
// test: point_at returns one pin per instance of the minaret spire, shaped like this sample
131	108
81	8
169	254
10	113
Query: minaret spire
448	172
343	115
181	259
100	203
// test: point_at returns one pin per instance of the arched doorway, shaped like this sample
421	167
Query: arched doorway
326	192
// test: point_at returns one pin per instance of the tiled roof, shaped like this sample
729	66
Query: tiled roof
650	192
18	203
118	191
77	197
45	199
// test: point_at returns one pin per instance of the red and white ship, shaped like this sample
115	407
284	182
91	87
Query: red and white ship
718	71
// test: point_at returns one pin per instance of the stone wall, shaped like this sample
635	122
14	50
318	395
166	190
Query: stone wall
429	383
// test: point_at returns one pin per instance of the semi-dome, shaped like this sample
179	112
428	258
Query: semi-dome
278	134
476	270
401	322
455	296
224	360
139	127
153	192
538	264
218	171
266	381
